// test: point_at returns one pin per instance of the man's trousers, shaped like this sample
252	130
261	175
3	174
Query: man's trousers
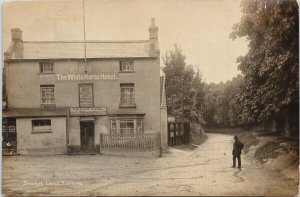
238	157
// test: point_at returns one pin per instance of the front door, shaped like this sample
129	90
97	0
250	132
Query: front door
87	135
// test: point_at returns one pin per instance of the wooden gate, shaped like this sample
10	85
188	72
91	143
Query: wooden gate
178	133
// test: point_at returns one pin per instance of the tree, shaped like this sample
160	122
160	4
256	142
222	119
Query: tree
270	68
183	87
221	106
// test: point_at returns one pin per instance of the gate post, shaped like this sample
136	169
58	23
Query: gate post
158	145
100	143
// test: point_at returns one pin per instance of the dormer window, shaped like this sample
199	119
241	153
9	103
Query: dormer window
46	67
126	66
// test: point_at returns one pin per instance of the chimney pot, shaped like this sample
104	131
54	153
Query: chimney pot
16	34
152	21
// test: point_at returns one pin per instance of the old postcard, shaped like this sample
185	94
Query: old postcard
150	98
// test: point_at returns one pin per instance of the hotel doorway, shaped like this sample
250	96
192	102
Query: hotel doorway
87	135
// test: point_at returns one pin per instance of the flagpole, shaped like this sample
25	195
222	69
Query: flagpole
84	38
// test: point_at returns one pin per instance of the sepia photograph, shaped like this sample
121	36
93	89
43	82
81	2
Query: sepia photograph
150	98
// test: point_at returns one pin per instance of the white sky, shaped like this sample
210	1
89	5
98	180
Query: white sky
200	27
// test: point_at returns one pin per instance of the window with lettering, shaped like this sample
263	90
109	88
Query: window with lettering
86	95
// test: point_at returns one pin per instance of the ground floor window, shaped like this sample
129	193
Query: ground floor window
41	125
126	126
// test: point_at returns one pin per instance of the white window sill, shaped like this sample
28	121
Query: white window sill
41	131
127	71
45	73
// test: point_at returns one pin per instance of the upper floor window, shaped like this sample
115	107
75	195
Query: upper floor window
127	95
126	66
86	95
47	96
41	125
46	67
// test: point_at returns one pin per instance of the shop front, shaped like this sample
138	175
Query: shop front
84	127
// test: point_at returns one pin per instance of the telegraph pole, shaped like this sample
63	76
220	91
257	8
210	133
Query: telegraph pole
84	38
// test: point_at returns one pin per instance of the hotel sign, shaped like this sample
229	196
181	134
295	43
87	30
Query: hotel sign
86	77
87	111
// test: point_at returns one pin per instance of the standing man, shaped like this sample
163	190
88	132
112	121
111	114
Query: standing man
236	151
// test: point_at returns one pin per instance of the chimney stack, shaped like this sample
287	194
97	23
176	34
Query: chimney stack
17	41
16	35
153	30
153	37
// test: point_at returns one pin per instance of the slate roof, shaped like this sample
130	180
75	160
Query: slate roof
34	112
75	49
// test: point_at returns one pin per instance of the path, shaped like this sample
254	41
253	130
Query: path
205	170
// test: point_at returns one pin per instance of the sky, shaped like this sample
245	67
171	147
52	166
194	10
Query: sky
200	28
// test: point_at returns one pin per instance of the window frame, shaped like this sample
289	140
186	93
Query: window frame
128	65
131	98
117	129
86	84
127	127
43	64
47	105
46	128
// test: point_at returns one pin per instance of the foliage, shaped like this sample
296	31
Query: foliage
184	87
270	68
221	106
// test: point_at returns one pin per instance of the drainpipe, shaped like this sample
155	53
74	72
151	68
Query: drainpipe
67	129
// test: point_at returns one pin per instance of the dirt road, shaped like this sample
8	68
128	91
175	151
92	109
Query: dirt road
205	170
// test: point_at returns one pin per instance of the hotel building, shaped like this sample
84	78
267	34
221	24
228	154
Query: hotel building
60	95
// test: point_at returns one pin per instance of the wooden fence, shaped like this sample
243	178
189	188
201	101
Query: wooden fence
130	142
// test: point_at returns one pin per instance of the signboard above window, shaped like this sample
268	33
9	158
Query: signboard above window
90	111
86	77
